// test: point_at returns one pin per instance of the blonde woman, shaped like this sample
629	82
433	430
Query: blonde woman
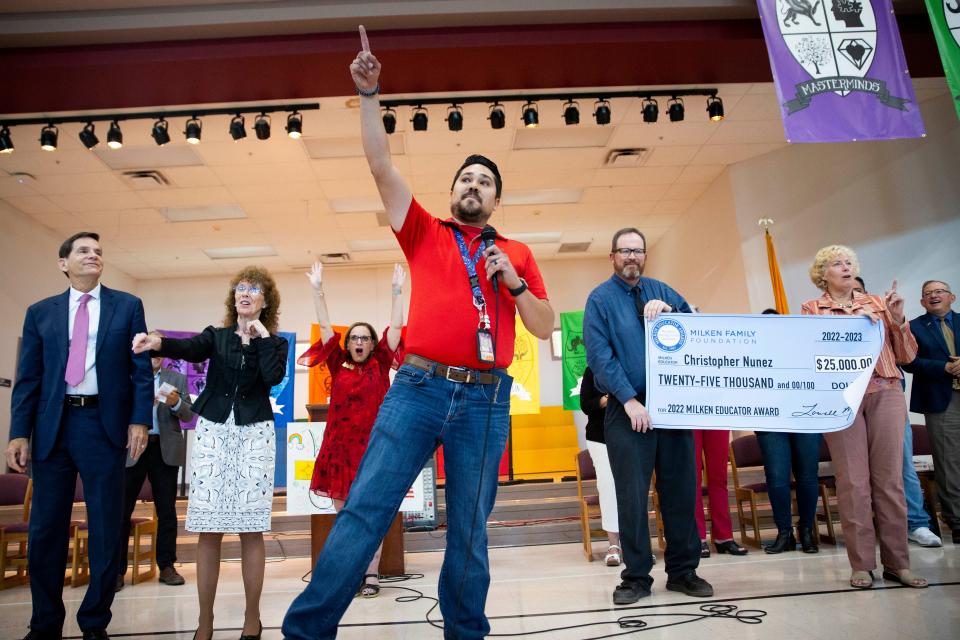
868	455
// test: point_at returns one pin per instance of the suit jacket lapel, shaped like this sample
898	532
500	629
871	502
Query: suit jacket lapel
106	315
62	328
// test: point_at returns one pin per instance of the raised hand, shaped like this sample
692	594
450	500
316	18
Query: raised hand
894	303
145	342
399	277
365	68
255	329
315	276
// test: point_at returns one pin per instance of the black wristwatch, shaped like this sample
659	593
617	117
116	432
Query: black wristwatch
520	289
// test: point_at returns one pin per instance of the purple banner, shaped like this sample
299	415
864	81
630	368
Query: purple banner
840	71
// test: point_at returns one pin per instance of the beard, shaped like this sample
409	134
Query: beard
630	271
468	210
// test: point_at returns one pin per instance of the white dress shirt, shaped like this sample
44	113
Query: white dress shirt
87	387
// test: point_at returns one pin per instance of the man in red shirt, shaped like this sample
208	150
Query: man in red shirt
453	388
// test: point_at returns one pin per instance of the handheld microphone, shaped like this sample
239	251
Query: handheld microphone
488	236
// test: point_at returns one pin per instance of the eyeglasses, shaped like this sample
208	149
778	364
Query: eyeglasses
242	288
360	339
933	293
628	252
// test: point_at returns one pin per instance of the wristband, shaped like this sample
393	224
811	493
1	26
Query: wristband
368	94
520	289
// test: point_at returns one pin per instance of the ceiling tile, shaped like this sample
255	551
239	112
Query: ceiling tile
195	197
119	200
79	183
666	156
631	193
34	204
746	132
359	187
732	153
256	174
191	176
635	176
246	194
700	173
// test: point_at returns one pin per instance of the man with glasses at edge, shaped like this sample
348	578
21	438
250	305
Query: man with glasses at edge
453	388
613	330
936	391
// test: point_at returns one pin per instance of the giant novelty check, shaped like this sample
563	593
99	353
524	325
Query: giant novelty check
759	372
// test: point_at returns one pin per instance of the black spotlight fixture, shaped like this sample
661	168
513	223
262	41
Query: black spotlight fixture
88	137
571	112
419	119
294	126
262	126
114	136
497	118
650	110
159	132
6	142
455	117
238	128
193	130
530	117
675	109
715	108
48	137
389	120
601	111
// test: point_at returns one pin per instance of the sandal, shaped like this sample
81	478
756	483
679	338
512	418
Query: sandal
613	556
906	578
369	589
862	580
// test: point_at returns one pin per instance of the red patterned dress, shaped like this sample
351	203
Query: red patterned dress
357	390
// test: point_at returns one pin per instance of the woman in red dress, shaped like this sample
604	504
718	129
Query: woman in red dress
360	378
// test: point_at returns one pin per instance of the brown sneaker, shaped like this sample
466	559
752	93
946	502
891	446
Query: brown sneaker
169	575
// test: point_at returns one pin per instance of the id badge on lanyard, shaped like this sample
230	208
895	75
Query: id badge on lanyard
485	347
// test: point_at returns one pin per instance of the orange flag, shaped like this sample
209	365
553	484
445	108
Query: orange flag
779	295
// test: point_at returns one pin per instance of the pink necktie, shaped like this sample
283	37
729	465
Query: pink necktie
77	360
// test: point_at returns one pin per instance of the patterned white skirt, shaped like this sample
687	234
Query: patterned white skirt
231	482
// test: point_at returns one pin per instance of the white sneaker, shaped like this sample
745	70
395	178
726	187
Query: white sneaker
924	537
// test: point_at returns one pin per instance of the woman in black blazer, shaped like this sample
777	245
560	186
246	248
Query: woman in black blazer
233	455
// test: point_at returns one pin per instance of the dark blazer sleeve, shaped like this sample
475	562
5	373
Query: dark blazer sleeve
196	349
141	372
930	367
589	395
271	358
26	391
185	412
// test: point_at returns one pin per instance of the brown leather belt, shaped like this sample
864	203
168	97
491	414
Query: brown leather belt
453	374
81	401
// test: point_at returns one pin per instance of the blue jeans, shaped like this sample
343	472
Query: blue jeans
801	453
420	412
916	515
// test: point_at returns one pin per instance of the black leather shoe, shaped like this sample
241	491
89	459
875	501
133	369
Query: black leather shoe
691	585
808	541
255	636
96	634
629	592
43	635
784	542
730	547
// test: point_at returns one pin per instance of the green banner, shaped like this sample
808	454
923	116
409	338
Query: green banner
574	358
945	17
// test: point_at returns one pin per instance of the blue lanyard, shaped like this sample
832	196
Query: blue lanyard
470	262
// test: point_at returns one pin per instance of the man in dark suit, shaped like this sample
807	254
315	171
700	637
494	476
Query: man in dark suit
936	391
161	461
81	397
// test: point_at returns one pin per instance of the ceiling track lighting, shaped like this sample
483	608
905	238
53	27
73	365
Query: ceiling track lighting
419	118
454	117
48	137
88	137
601	111
6	142
294	126
497	118
159	132
238	128
675	109
389	120
571	113
530	117
651	110
715	108
115	136
193	130
262	126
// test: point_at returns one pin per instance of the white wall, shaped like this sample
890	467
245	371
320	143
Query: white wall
28	260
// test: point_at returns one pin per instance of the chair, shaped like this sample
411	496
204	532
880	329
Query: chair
745	454
928	483
828	498
590	505
15	489
139	527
